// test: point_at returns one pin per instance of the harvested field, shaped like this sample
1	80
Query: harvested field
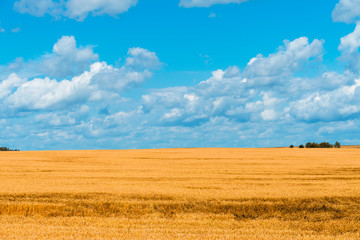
181	194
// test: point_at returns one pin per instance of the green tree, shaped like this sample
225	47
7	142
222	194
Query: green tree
315	145
4	149
325	145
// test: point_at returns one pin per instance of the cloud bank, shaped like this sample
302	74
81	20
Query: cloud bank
233	103
69	97
25	90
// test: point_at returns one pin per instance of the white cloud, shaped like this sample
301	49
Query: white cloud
347	11
66	60
9	84
39	8
351	42
50	94
244	95
120	79
335	105
333	80
90	83
54	119
118	118
75	9
79	9
100	83
139	64
206	3
349	47
174	114
287	60
139	58
269	115
63	118
327	81
233	105
167	97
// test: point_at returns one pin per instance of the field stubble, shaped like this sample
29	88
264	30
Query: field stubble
181	193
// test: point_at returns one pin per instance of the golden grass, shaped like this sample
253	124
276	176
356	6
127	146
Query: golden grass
181	194
351	146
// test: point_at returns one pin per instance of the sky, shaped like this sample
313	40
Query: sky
135	74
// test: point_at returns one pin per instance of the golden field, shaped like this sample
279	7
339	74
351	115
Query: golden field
278	193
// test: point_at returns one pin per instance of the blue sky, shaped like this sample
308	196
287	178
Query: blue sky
130	74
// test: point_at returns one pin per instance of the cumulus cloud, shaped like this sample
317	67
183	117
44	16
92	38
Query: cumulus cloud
39	8
75	9
101	82
349	47
138	67
90	83
66	60
50	94
234	105
79	9
287	60
269	115
327	81
139	58
337	105
62	118
347	11
242	95
206	3
7	85
351	42
120	79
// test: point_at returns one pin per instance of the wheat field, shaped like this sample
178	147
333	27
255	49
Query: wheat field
278	193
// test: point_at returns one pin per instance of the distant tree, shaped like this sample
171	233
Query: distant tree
337	145
4	149
325	145
315	145
291	146
301	146
322	145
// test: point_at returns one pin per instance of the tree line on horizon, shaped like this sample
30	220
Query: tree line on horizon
6	149
319	145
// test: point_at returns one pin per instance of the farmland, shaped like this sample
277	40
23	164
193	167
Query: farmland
275	193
